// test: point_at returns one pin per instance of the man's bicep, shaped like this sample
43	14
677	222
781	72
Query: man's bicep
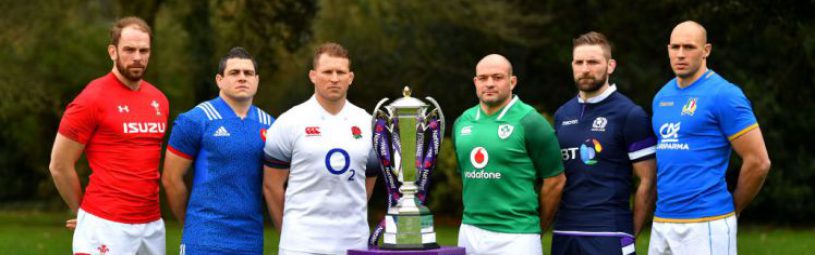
750	143
65	151
176	165
645	169
275	175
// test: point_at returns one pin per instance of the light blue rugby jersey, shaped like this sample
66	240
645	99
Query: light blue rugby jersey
225	208
694	127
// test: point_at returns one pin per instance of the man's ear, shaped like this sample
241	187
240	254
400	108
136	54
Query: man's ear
112	52
708	49
612	65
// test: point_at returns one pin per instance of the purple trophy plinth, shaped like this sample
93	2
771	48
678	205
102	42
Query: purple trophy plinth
444	250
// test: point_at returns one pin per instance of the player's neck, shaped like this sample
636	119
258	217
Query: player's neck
240	107
492	109
685	82
331	106
133	85
585	95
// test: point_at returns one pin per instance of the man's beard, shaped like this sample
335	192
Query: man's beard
131	76
588	83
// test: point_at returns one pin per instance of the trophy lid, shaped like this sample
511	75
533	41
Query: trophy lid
407	101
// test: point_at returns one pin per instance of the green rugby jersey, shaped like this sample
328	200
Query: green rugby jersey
500	157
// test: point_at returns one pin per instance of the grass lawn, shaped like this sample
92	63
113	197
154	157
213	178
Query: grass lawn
41	233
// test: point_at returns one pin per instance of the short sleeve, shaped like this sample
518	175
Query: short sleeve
735	113
455	148
542	145
80	120
277	152
638	136
372	168
557	118
185	138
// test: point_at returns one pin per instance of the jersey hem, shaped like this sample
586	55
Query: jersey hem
140	220
742	132
693	220
178	152
277	164
498	230
592	233
72	137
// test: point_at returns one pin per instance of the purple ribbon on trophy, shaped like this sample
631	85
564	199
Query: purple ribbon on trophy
426	161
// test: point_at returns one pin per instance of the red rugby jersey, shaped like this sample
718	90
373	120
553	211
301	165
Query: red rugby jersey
122	131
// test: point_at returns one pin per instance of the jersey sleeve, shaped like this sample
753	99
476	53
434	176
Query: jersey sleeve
80	119
372	168
185	138
735	113
638	136
277	152
453	140
542	145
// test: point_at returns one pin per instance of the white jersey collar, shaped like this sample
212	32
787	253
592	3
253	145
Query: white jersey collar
599	98
325	114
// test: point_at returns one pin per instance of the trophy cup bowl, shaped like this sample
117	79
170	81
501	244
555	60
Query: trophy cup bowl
400	132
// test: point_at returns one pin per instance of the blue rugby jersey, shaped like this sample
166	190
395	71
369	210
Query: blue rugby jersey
695	125
225	207
600	139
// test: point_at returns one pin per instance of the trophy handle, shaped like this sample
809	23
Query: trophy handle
441	114
376	111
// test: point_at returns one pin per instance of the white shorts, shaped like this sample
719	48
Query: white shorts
699	238
482	242
94	235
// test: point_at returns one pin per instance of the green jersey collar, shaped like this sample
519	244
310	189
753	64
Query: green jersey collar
503	111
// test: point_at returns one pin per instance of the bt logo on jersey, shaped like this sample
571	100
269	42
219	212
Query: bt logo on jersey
588	152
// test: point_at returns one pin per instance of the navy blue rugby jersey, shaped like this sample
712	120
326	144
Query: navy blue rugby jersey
600	139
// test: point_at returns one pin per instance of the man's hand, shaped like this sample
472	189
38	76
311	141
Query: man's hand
71	224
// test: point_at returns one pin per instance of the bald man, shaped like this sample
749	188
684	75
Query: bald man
700	118
503	147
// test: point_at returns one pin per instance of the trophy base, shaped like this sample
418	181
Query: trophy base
409	232
426	246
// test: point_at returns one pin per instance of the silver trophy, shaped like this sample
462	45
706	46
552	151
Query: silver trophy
407	158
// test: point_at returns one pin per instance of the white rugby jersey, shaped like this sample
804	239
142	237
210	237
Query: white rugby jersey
325	205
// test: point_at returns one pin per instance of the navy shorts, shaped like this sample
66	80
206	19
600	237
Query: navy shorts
592	245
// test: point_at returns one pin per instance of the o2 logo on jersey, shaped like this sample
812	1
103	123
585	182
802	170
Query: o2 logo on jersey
589	151
339	155
479	157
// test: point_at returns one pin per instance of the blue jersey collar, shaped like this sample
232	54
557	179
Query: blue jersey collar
227	112
701	79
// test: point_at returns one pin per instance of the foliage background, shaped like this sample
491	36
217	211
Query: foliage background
49	50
